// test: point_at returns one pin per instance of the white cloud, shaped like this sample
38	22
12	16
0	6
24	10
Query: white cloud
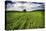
29	0
21	7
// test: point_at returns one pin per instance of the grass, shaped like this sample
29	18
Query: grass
24	20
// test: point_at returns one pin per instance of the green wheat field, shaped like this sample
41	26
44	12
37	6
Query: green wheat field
24	20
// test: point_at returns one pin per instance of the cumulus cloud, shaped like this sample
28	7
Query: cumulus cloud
20	7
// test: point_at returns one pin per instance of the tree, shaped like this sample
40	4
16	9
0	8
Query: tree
24	10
